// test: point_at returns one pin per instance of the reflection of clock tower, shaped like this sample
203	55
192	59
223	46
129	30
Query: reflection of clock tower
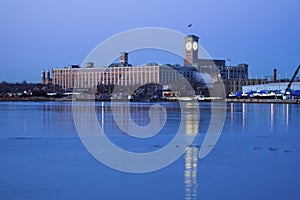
191	50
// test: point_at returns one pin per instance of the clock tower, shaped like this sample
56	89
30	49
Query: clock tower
191	50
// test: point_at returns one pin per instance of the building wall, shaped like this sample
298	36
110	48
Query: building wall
68	78
237	85
234	72
90	77
168	74
124	74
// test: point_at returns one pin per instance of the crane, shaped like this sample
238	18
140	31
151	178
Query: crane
291	81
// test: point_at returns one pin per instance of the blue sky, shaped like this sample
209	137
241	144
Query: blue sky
37	34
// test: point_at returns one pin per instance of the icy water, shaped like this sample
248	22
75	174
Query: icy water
256	157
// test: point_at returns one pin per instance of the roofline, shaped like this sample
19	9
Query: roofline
192	36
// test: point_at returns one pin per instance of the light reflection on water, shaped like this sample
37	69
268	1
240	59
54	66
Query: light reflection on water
261	118
191	158
244	115
272	117
287	117
190	173
54	119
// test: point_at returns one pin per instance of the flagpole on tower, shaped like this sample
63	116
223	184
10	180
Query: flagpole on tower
191	28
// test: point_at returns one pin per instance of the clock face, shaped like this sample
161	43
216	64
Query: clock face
195	46
188	46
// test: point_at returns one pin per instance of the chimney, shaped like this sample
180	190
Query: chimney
90	65
124	58
43	77
275	76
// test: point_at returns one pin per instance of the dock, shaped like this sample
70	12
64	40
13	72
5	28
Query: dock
277	101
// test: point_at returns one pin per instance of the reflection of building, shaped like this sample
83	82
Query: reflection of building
191	154
190	173
191	118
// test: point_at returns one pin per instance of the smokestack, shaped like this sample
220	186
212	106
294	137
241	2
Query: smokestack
43	77
124	58
48	74
90	65
275	76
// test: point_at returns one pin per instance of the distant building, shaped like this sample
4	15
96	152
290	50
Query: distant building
235	72
235	85
216	68
124	74
76	77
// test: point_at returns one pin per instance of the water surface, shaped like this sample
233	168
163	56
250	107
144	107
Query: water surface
256	157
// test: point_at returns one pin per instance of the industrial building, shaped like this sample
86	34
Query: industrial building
124	74
214	67
88	77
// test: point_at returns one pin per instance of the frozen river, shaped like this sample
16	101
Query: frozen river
256	157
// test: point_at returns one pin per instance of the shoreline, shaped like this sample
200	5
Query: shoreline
267	101
227	100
